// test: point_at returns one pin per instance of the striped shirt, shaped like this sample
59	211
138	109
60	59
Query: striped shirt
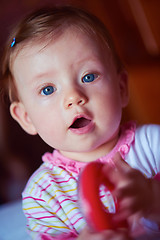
51	200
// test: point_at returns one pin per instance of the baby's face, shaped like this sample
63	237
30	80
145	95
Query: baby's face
70	94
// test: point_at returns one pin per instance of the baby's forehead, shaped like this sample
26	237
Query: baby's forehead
39	45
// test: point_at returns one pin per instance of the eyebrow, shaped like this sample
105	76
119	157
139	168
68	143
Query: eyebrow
94	60
40	76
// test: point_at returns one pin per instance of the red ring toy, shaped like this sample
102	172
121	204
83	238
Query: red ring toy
92	207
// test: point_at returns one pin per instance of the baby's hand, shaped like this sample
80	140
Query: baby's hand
120	234
132	189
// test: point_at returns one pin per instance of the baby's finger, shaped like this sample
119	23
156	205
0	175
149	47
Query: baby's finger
111	172
118	171
120	164
119	234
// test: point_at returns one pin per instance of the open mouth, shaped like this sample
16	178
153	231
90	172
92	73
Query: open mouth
80	123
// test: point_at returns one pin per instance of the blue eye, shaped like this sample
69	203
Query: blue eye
89	78
47	90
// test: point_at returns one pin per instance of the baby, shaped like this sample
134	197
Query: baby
67	84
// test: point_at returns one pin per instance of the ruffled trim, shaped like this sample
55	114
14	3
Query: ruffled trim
57	159
127	136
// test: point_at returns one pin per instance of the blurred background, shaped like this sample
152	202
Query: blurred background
135	28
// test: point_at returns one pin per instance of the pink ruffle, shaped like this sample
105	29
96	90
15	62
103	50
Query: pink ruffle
127	136
60	161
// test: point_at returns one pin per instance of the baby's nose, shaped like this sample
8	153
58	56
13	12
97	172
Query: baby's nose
75	98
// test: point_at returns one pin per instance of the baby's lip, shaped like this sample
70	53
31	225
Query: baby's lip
80	121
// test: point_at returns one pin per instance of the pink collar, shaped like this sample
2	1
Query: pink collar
127	135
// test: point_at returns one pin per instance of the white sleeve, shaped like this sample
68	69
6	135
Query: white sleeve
144	153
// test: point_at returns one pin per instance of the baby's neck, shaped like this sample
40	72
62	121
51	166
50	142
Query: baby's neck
91	155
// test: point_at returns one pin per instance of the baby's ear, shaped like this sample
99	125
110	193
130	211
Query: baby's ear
19	113
123	84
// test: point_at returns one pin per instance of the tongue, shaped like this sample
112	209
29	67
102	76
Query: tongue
80	122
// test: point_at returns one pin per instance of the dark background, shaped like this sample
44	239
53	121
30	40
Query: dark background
135	27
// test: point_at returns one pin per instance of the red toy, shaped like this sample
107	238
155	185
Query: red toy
93	209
